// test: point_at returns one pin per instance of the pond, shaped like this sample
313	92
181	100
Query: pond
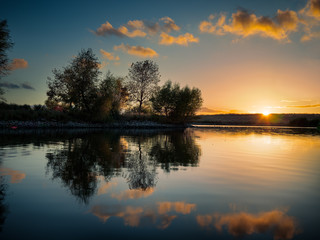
198	183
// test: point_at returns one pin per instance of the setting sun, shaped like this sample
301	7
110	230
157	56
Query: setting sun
265	113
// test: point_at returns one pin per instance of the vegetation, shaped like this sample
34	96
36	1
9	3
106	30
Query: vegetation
79	91
179	105
143	77
5	44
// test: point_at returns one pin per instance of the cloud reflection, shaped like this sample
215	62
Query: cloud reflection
241	224
135	216
16	176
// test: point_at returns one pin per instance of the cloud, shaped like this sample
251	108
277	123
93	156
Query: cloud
312	9
241	224
107	29
133	194
16	176
305	106
137	50
103	189
138	28
133	216
109	56
16	86
26	86
245	24
18	63
179	207
184	40
9	85
169	25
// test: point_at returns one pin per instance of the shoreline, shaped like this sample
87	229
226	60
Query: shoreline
78	125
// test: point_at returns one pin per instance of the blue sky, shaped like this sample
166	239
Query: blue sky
267	63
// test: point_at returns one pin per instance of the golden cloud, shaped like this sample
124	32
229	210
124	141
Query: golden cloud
136	50
166	39
133	194
312	9
132	216
104	187
245	24
305	106
15	176
137	28
107	29
169	24
179	207
109	56
241	224
18	63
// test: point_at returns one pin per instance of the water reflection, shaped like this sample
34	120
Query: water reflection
241	224
81	162
161	215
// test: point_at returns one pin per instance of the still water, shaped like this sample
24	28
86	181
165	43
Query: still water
202	183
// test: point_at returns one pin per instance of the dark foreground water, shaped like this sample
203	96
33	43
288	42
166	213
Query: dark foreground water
225	183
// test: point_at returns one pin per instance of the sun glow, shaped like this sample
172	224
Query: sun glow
265	113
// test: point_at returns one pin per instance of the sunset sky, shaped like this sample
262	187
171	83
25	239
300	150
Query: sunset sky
244	55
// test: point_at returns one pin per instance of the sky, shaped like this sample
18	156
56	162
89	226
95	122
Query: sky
246	56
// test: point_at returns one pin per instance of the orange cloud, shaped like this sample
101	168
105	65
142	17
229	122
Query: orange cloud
137	50
18	63
245	24
305	106
130	215
169	24
133	194
166	39
109	56
179	207
241	224
103	188
137	28
107	29
312	9
16	176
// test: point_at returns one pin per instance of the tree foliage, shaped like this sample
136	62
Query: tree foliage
76	84
179	104
5	44
112	96
143	79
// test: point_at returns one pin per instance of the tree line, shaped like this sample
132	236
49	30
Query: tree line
79	88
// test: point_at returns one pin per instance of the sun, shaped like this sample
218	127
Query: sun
265	113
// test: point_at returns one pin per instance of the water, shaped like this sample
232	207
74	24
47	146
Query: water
203	183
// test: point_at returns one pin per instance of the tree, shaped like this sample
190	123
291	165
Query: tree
5	44
111	96
180	105
76	84
143	80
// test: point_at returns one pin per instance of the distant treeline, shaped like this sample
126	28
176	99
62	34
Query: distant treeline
304	120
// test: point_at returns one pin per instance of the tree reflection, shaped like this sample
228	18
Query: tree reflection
80	162
176	150
3	206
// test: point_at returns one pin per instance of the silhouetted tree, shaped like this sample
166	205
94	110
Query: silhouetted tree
5	44
112	95
76	84
179	104
143	79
